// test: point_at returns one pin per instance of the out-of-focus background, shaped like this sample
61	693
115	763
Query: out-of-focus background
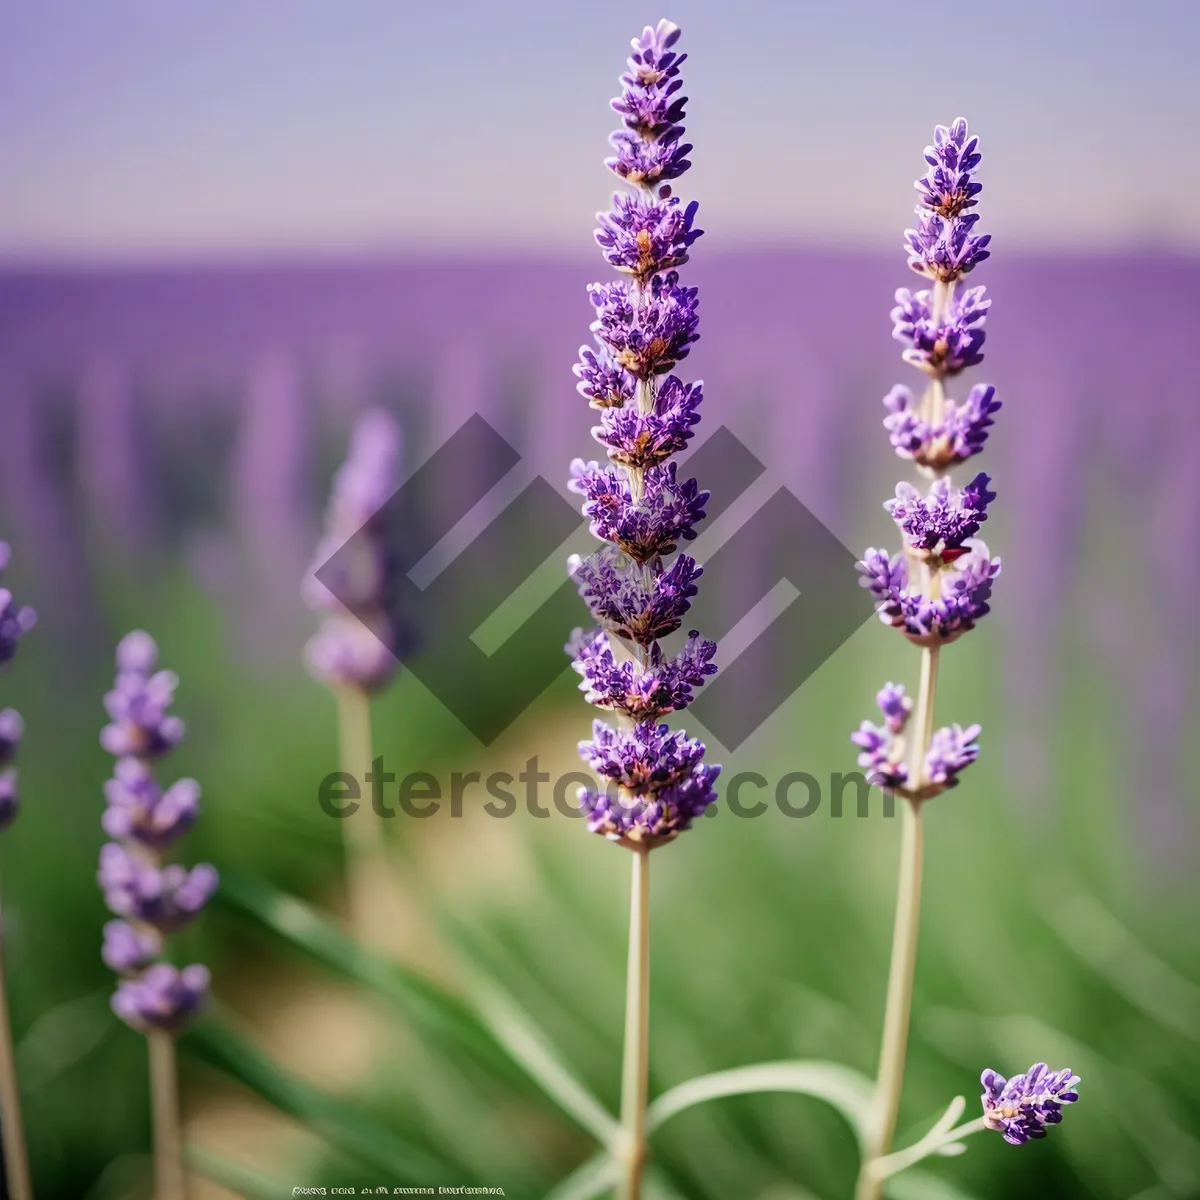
225	229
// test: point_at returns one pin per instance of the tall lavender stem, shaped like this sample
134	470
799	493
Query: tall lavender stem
656	783
151	897
939	587
15	622
635	1071
169	1179
354	652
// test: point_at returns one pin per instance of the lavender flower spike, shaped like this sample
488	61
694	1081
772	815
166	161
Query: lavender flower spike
152	897
939	586
645	326
655	782
361	634
1022	1107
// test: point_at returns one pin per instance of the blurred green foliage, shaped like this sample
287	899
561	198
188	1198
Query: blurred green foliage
1046	934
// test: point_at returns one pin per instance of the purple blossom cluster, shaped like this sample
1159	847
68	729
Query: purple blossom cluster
883	748
1020	1108
655	782
361	634
15	621
151	898
940	585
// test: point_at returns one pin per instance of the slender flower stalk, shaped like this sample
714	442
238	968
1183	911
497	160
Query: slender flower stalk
939	586
355	651
15	622
150	896
655	780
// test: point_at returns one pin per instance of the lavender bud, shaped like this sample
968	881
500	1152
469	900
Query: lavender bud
140	725
1022	1107
162	998
15	620
128	949
164	897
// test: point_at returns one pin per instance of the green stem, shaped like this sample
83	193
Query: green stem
635	1075
898	1008
169	1181
362	833
893	1164
16	1156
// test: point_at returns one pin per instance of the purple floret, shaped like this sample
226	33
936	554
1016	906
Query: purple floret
164	897
15	620
643	439
948	187
1021	1108
940	523
140	725
163	998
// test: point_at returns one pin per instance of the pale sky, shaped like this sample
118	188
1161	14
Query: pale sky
177	128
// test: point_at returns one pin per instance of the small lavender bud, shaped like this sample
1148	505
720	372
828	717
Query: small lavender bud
141	726
139	809
15	620
939	525
162	998
128	949
164	897
1022	1107
951	750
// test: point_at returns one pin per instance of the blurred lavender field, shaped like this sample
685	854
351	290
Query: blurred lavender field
167	413
167	436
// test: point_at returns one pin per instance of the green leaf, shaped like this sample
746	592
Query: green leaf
529	1047
437	1013
593	1178
343	1125
845	1090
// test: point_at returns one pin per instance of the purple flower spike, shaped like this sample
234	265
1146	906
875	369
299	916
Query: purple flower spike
951	750
15	620
162	998
362	634
939	525
144	819
129	948
645	326
141	726
1022	1107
